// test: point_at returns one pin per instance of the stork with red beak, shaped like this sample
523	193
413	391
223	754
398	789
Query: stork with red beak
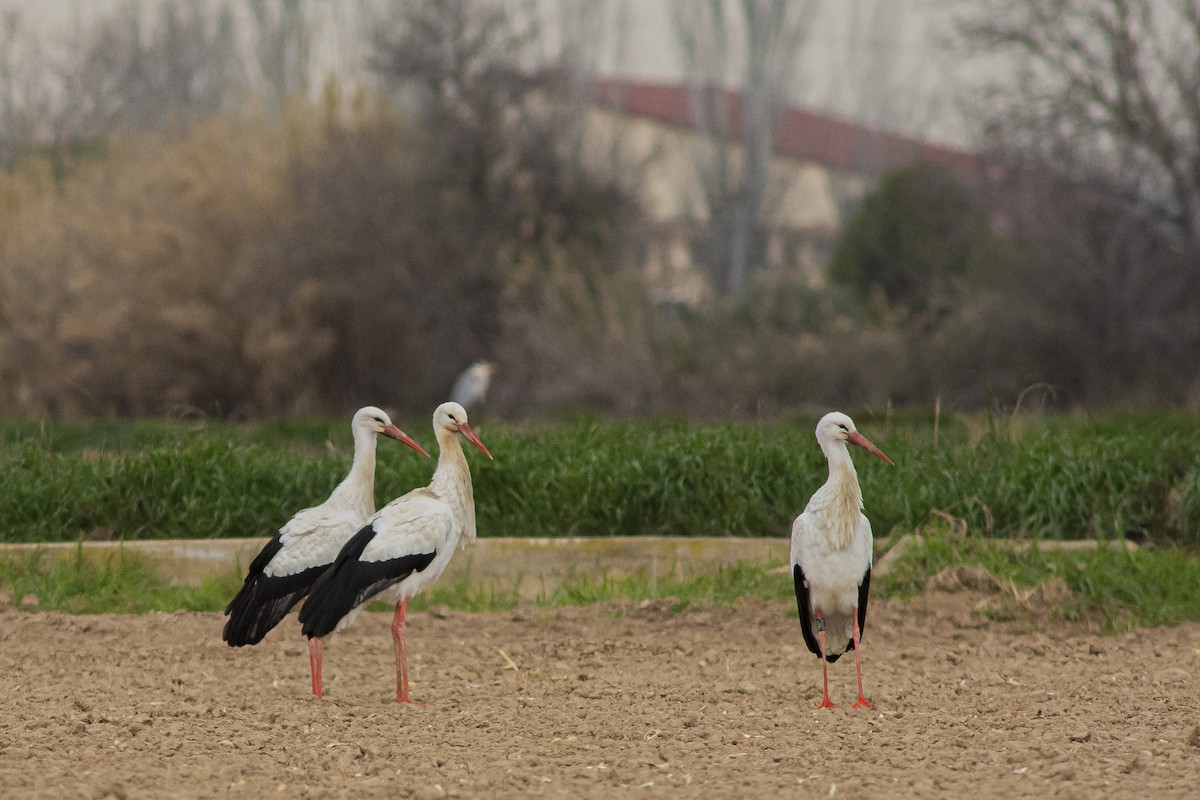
831	554
290	562
399	551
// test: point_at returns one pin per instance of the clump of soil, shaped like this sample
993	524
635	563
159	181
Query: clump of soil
965	578
991	597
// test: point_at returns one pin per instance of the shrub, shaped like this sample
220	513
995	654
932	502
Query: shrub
916	240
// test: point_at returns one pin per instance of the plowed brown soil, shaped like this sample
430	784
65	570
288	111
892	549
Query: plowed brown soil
610	700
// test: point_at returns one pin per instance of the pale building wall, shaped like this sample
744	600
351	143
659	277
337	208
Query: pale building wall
803	213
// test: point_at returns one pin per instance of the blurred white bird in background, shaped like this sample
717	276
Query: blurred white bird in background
471	387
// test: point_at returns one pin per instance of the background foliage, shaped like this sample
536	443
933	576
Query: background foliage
176	238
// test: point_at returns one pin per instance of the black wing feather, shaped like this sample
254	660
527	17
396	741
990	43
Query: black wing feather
864	589
351	582
804	606
264	600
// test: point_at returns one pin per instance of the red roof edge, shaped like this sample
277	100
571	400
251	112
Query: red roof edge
798	133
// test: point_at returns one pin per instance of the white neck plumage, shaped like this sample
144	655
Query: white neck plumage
357	491
452	481
839	500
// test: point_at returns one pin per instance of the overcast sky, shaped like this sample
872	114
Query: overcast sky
878	61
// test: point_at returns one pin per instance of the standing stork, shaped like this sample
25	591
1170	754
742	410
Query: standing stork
286	568
831	554
471	387
400	550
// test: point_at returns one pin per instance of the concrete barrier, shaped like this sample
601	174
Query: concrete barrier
531	565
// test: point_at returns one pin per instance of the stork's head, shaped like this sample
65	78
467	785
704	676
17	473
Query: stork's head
836	427
375	421
452	417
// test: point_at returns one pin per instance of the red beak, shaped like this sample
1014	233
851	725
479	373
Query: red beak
857	438
466	431
392	432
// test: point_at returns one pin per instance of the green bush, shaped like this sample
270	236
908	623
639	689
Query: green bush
919	236
1055	477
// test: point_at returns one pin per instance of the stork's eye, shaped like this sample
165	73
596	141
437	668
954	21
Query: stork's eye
843	427
377	419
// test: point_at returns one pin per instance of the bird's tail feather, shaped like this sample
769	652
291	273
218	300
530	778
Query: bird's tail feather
252	615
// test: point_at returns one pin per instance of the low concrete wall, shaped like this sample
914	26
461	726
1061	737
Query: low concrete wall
532	565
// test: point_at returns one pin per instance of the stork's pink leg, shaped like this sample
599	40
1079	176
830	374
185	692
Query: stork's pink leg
398	630
862	701
314	664
826	702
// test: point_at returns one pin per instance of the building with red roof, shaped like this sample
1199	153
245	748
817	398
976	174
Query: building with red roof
820	169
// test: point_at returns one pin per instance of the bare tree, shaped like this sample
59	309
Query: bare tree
23	97
147	65
1106	89
1096	299
593	36
771	35
130	70
888	67
876	79
1093	120
282	48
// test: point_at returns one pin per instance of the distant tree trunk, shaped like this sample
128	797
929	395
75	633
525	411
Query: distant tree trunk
15	90
880	82
772	34
282	48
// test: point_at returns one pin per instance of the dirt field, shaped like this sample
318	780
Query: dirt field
607	700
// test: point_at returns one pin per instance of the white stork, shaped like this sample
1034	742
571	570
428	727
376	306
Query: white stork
400	550
288	565
831	554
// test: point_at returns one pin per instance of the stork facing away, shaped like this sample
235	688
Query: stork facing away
286	568
831	554
402	549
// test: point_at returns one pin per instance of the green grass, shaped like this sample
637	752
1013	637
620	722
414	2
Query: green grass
1145	587
722	586
121	585
1123	590
1054	477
